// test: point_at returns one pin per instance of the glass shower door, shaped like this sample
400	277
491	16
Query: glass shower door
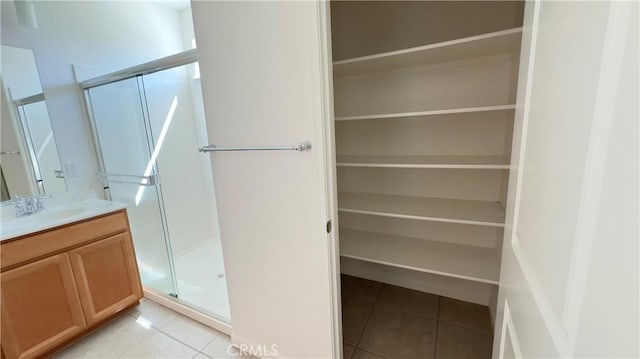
129	173
176	116
147	130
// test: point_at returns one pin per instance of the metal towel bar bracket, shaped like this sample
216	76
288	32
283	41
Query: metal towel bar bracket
303	147
148	181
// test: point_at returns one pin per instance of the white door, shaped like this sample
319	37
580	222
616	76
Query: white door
265	83
569	282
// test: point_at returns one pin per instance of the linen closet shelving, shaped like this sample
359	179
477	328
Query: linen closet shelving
423	139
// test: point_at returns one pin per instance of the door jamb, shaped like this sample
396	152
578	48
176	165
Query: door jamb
328	136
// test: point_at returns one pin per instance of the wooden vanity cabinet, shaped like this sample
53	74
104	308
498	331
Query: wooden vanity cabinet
40	307
107	276
60	283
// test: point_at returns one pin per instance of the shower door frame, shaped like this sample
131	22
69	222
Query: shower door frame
23	126
137	72
26	141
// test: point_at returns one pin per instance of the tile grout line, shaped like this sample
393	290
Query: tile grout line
181	342
466	327
206	345
372	353
375	301
177	315
200	354
168	335
458	325
379	293
365	324
439	299
419	314
153	329
435	338
373	307
123	355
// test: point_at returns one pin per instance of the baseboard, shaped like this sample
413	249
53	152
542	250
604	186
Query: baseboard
187	311
475	292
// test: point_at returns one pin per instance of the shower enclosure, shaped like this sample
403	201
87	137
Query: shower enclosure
148	122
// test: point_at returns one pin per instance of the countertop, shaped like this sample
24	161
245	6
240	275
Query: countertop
61	209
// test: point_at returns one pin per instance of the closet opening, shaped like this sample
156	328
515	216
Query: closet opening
424	99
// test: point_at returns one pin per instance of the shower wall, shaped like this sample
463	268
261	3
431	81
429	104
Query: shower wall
177	124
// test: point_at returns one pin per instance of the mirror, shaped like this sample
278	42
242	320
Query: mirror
30	163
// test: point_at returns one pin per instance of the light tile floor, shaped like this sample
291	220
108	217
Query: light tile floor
151	331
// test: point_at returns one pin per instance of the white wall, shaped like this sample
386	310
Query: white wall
106	34
19	72
186	20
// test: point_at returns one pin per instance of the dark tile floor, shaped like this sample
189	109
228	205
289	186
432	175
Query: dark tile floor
384	321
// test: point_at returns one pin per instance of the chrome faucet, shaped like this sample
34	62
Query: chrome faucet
27	205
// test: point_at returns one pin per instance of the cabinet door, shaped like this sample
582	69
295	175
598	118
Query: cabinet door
40	307
107	276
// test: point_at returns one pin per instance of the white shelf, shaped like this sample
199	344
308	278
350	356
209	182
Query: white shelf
453	260
506	41
452	111
482	213
431	162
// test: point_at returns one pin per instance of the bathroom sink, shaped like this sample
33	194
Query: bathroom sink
61	209
52	215
12	224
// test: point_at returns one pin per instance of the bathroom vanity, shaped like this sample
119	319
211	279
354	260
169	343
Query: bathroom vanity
60	282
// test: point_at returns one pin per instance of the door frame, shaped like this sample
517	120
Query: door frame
328	133
503	323
25	142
